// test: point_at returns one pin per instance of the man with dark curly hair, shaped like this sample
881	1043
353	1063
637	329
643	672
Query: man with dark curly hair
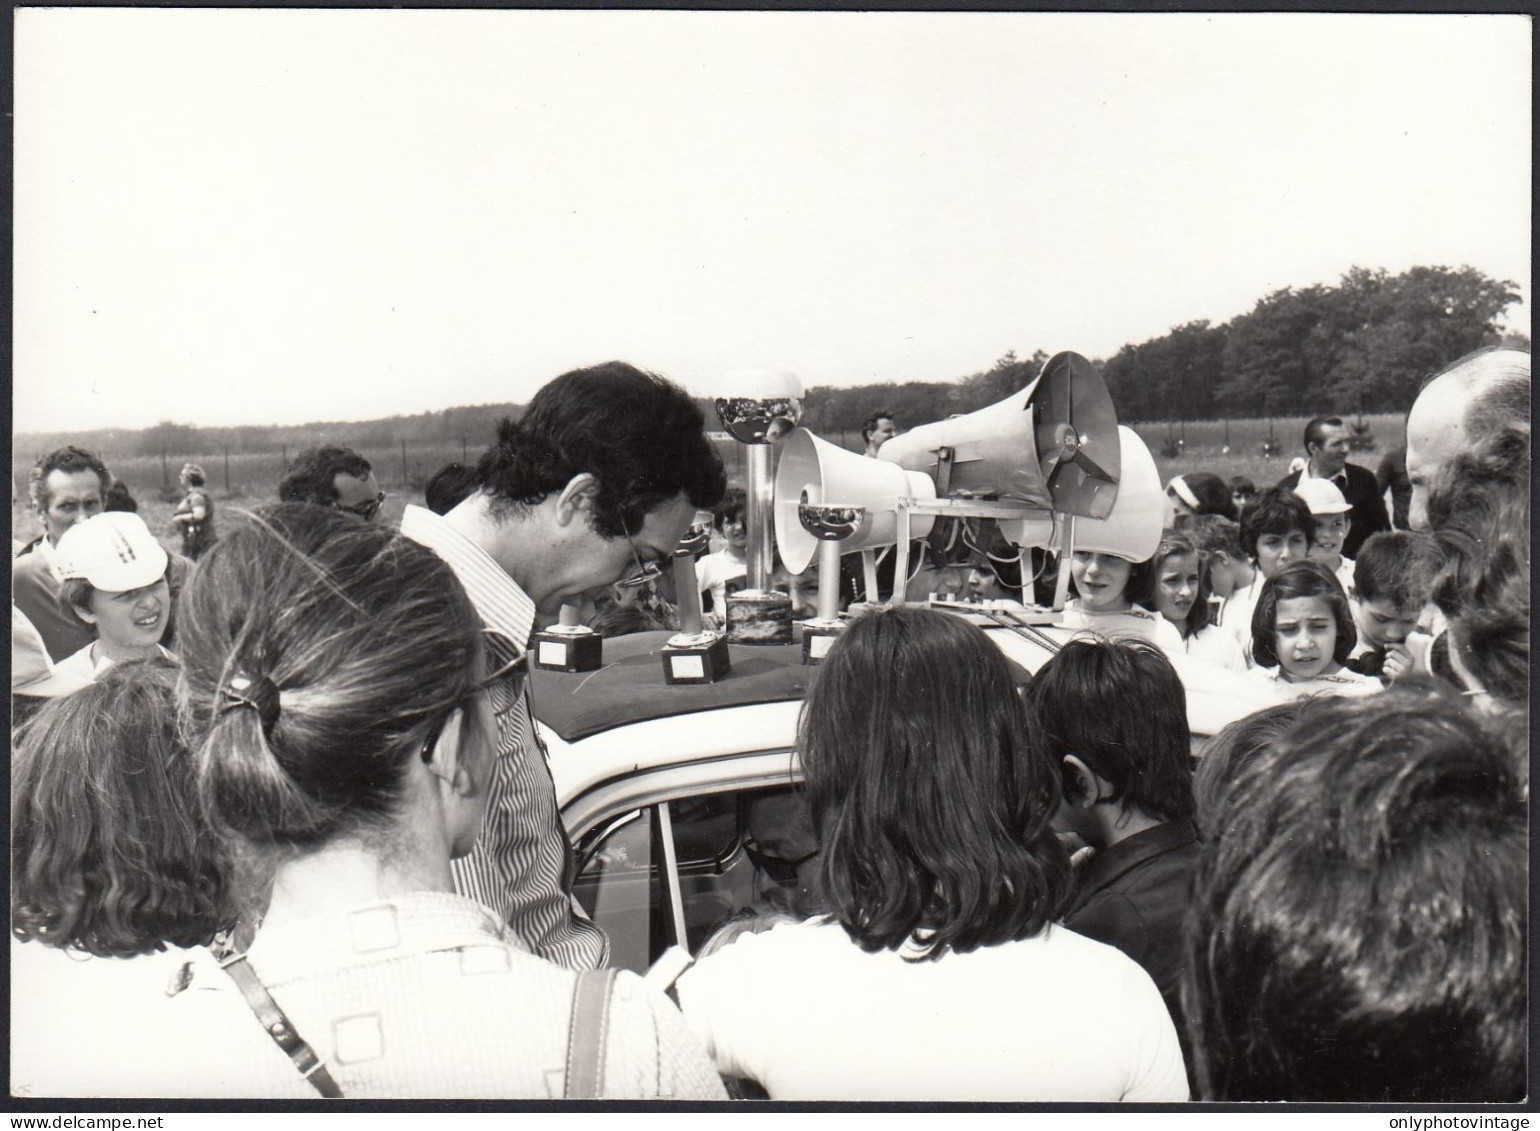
336	477
594	485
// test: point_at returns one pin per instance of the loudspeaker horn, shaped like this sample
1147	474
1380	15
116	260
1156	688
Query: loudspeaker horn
1052	445
815	471
1133	527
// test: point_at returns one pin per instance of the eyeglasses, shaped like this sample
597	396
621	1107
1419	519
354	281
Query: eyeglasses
366	510
510	672
779	869
645	573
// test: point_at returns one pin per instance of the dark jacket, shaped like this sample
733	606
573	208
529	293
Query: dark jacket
1134	895
1362	491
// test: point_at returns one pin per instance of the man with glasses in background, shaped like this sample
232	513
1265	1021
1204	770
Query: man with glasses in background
595	485
336	477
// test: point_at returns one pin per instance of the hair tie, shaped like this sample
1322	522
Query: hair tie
257	692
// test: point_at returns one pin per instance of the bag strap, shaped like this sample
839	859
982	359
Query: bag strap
279	1027
589	1033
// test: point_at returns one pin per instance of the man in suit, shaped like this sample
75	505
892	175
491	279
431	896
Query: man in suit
1326	451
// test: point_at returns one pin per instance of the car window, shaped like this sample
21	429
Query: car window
621	884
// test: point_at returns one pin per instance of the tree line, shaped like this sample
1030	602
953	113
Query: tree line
1364	345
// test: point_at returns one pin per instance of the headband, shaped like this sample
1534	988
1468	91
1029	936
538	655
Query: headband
1183	492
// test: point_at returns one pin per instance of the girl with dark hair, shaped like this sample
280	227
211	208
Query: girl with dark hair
1198	493
335	692
1302	634
110	861
933	796
1178	589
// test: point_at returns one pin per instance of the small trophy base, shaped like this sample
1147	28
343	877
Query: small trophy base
558	649
759	617
696	659
818	636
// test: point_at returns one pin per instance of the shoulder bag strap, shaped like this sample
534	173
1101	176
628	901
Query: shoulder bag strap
279	1027
588	1034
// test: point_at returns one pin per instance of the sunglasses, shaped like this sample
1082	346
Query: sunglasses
779	869
366	510
510	672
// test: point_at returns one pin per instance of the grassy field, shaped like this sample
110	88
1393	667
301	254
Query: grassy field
246	479
1204	445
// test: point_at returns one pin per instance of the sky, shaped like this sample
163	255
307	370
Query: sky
231	216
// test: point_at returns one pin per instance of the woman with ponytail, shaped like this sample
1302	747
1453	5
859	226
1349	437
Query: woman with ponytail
333	693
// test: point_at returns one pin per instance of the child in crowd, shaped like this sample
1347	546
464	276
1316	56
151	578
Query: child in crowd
1302	633
1276	529
1331	513
1228	753
1242	491
932	798
1179	592
113	874
1225	564
1114	717
727	567
1104	604
1393	582
115	580
1199	492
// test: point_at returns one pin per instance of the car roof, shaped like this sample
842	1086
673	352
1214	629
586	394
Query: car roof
625	720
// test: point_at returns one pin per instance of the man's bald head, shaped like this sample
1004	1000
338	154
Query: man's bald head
1463	402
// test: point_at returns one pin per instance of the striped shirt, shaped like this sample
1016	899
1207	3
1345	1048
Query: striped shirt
519	864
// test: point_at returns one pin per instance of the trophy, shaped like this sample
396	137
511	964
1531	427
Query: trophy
831	524
694	654
568	645
764	409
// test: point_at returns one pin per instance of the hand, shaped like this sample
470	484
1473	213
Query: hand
1398	662
1079	851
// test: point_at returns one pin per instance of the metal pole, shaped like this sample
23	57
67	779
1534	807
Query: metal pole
828	580
761	516
403	465
1066	555
227	468
465	451
165	471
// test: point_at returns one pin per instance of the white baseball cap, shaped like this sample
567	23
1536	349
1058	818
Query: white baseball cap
114	551
1322	496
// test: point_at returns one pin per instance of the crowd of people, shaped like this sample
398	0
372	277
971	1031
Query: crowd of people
281	813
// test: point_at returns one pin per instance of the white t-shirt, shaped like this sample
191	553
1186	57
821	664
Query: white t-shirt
75	1018
714	572
1342	682
86	666
1235	615
1214	644
1344	574
1057	1018
1133	621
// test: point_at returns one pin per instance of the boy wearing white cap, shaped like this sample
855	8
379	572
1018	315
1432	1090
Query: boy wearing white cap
115	581
1330	509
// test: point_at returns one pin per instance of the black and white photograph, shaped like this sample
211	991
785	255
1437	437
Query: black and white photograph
759	561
